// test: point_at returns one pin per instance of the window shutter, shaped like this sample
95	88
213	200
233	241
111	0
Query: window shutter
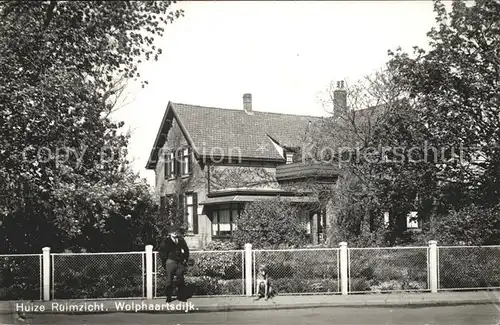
190	161
174	164
179	162
195	213
182	162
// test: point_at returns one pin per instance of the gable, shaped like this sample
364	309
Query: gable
170	119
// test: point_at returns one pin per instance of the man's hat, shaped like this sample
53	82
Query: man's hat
176	229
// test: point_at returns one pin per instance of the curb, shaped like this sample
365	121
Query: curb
273	306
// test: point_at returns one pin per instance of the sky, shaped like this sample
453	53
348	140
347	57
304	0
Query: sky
284	53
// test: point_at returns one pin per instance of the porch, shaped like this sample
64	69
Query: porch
223	207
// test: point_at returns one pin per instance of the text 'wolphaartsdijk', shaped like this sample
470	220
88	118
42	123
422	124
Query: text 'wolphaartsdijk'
143	306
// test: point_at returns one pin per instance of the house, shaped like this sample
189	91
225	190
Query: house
219	159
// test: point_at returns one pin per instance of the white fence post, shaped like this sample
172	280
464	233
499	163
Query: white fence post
248	270
46	273
433	266
149	271
344	277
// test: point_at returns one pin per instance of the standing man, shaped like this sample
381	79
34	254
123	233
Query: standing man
174	254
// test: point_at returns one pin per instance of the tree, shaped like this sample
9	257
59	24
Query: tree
455	87
454	121
351	139
436	143
61	153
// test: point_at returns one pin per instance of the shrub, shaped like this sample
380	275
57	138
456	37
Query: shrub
394	285
287	264
470	226
279	270
204	286
270	223
469	267
102	276
19	278
220	264
382	266
387	286
297	285
360	285
221	245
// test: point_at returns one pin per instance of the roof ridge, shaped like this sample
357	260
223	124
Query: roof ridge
240	110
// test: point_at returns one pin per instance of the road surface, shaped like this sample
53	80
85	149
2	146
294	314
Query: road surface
487	314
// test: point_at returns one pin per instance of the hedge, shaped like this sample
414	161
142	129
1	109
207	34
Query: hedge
469	267
20	278
305	264
98	276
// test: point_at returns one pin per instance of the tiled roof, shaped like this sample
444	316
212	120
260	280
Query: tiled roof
235	132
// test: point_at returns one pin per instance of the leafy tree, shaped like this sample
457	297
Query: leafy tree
61	69
455	88
440	126
352	139
270	223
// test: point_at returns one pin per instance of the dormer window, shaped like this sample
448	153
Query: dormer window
178	162
289	157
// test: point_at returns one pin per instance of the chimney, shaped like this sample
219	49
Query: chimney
247	103
339	98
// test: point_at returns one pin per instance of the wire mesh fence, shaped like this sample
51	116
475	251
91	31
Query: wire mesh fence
388	269
468	267
300	271
222	273
213	273
21	277
98	275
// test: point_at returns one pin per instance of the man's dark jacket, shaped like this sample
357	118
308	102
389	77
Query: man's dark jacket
172	251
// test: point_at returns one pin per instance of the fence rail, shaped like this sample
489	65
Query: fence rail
342	270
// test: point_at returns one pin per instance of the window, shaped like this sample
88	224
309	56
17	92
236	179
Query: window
178	163
224	220
289	157
163	206
412	220
322	224
168	205
386	218
185	162
169	165
191	211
